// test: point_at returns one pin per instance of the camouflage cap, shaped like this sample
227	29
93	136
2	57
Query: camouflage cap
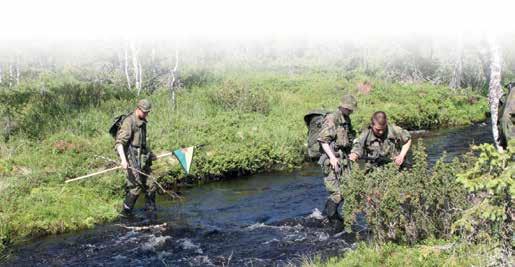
144	105
349	102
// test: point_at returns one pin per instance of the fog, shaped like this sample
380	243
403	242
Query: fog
61	20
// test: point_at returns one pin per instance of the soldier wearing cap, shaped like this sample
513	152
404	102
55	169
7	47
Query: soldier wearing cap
335	138
136	157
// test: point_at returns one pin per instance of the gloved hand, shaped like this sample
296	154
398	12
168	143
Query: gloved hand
152	156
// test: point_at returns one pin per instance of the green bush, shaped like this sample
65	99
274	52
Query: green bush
410	205
237	96
491	183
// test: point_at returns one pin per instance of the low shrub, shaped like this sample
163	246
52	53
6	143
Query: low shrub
411	205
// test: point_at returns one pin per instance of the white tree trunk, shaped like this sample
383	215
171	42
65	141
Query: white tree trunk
127	67
457	75
11	75
17	74
135	66
173	77
495	91
140	77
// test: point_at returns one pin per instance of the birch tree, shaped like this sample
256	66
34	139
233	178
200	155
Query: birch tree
457	75
494	88
173	78
126	65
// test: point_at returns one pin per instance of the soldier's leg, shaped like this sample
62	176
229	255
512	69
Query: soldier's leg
334	199
132	191
150	190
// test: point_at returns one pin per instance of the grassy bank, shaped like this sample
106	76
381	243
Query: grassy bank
431	253
249	122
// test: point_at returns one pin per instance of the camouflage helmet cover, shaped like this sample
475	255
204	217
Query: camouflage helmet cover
349	102
144	105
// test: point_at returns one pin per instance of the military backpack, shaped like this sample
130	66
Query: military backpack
117	124
314	121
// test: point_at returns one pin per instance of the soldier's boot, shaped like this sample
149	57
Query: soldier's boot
330	209
128	205
150	202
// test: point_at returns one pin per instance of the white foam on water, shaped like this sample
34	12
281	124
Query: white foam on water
316	214
257	226
201	260
119	257
187	244
270	241
282	227
155	242
323	236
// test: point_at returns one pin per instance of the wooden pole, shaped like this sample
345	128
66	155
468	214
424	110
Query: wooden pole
108	170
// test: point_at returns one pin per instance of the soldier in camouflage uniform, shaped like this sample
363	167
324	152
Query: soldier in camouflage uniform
336	138
381	143
506	117
131	145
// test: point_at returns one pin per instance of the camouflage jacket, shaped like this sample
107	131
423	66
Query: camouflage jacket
132	135
337	129
507	118
380	150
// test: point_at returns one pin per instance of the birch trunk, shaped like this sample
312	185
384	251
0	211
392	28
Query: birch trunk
135	65
10	75
494	89
17	74
173	78
127	67
457	75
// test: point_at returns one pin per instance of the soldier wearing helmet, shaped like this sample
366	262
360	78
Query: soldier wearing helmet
136	157
335	138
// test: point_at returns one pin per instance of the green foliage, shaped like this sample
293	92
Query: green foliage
431	253
234	96
410	205
250	123
490	181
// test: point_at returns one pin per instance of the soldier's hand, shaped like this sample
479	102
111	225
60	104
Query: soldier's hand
353	156
124	164
335	164
399	160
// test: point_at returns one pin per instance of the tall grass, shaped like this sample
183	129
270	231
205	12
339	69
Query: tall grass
250	122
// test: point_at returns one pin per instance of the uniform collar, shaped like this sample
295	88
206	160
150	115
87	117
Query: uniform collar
389	134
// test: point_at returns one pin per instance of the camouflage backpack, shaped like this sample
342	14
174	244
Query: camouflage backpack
117	123
314	121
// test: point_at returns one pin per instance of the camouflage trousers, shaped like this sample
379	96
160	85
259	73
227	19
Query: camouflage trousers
136	183
334	204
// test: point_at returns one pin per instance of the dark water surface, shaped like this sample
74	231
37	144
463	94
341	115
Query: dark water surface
262	220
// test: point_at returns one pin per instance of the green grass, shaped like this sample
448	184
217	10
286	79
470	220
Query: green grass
250	122
432	253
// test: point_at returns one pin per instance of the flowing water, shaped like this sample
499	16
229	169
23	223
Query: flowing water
262	220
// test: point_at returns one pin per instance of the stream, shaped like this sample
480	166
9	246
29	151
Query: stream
261	220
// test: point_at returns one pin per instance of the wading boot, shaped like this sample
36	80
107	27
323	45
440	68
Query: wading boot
128	205
150	202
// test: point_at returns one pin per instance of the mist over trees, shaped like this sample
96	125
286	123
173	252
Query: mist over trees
137	65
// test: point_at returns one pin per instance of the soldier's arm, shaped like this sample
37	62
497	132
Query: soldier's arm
405	138
326	136
122	138
358	147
